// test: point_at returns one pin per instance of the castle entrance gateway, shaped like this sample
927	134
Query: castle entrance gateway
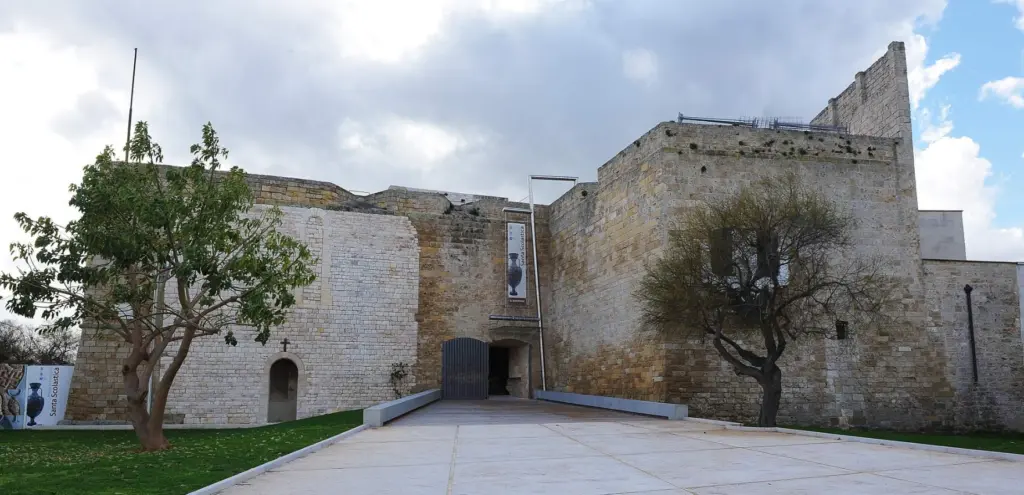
465	363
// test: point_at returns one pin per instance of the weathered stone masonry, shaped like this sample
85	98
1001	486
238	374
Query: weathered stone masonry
462	274
409	269
897	377
996	400
414	271
348	327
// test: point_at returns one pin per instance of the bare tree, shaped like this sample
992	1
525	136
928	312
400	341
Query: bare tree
766	265
15	347
22	344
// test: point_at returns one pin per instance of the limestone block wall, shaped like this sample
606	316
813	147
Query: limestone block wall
97	390
601	234
599	241
942	235
886	377
97	385
462	260
288	191
865	378
348	328
995	401
877	103
1020	288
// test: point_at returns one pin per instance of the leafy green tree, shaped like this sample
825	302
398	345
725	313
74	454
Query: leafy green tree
160	256
757	269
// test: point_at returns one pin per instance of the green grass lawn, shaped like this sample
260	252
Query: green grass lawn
108	462
996	442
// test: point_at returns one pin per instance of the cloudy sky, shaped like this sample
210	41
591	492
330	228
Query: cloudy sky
474	95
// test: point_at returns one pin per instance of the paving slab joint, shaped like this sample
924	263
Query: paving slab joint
276	463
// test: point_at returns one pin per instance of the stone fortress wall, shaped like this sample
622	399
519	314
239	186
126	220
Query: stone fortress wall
345	332
592	244
409	269
907	376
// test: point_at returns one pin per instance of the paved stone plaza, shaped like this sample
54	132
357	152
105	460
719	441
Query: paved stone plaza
530	447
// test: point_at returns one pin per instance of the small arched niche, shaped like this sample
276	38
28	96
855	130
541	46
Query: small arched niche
282	398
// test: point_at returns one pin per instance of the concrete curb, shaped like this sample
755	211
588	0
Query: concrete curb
751	428
673	412
280	461
129	427
380	414
713	422
1004	456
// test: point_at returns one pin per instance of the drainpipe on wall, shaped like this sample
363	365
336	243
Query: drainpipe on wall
536	269
970	332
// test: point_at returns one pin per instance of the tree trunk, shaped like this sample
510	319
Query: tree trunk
771	397
148	428
150	432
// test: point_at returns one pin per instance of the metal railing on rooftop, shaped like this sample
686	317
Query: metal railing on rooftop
763	123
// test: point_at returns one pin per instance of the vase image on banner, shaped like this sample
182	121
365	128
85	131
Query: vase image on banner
47	395
35	403
515	271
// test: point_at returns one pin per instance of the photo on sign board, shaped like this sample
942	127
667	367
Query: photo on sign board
516	262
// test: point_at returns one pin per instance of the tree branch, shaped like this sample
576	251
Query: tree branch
737	365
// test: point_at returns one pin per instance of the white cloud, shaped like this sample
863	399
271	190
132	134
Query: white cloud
1020	9
403	142
56	121
394	31
640	65
933	131
1009	89
527	7
446	94
952	174
921	77
384	31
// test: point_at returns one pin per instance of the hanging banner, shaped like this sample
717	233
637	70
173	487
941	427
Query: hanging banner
33	396
515	285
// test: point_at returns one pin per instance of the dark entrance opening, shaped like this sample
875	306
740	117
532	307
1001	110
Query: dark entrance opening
282	403
497	373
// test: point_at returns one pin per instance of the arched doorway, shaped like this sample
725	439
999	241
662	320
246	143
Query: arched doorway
282	400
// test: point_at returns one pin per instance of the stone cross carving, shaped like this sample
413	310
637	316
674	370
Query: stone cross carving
285	344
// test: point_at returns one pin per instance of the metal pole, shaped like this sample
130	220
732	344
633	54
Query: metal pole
131	104
536	288
970	332
536	268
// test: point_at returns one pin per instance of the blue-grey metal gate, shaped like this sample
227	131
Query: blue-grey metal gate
464	367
